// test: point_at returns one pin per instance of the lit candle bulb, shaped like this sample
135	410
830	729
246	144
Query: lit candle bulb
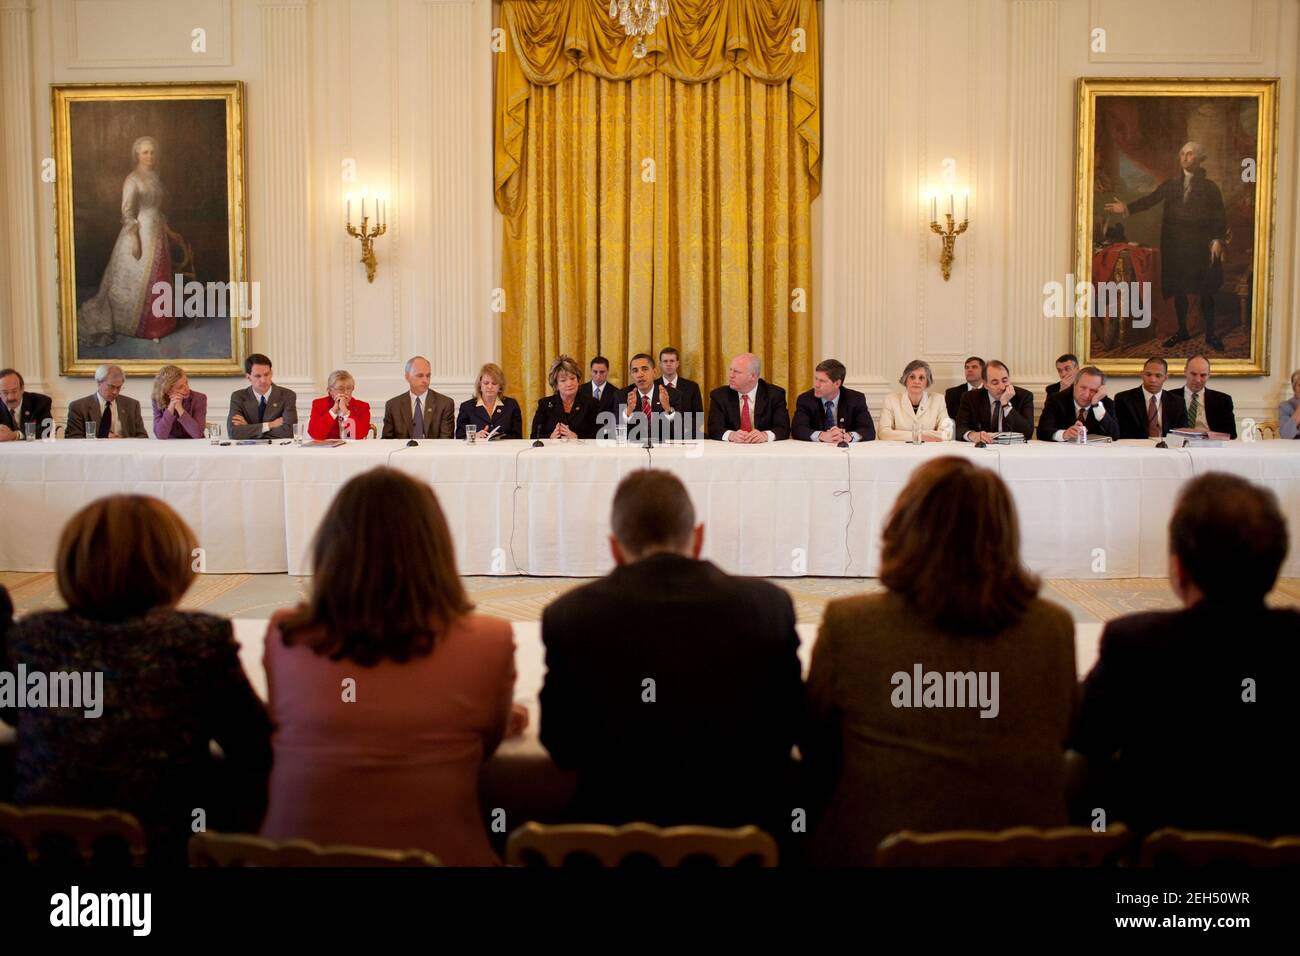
934	209
950	204
965	207
348	200
363	204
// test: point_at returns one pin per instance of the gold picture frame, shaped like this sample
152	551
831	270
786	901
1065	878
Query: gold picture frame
1206	269
149	185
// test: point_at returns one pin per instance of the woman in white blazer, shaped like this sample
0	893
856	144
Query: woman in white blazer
915	405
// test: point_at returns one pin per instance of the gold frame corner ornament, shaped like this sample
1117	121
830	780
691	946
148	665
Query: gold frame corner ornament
1264	91
62	96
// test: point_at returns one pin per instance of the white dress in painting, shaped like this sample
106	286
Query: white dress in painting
124	304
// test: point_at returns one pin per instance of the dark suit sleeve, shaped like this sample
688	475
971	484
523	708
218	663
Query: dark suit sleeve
965	416
76	427
542	420
863	423
1128	424
514	423
240	432
1021	417
289	412
446	424
1099	730
780	426
390	423
803	428
1229	415
1110	423
1159	194
561	726
1174	411
954	400
1049	423
717	421
463	418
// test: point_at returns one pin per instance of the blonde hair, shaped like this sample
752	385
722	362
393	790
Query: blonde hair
164	381
492	371
338	376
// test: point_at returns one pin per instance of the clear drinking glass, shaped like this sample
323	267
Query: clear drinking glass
90	432
29	430
297	433
213	431
471	434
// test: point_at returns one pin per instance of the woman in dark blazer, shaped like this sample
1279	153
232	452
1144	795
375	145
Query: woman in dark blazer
165	684
566	414
883	752
489	408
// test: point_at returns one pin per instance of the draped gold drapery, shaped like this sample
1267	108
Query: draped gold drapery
658	201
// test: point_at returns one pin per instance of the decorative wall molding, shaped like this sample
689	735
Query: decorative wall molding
145	34
285	199
20	304
1207	19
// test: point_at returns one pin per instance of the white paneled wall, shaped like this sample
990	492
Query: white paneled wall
404	88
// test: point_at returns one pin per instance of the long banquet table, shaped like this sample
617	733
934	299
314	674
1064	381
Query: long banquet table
783	509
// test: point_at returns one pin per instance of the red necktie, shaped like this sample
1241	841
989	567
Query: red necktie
746	423
1153	418
645	407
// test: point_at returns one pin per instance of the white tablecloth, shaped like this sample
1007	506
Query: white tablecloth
784	509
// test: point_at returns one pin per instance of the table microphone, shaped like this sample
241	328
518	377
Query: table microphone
537	443
412	443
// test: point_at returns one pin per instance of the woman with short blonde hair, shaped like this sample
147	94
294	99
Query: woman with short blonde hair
1288	413
489	412
178	412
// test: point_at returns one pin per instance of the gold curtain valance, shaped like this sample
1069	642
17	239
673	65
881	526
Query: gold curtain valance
548	40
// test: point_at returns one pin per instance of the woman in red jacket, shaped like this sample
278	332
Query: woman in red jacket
339	408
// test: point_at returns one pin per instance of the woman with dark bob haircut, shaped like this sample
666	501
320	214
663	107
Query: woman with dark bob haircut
169	682
944	702
386	691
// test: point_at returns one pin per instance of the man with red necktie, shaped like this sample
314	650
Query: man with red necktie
748	410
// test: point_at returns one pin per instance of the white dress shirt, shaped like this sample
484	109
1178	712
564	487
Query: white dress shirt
1005	402
753	394
257	399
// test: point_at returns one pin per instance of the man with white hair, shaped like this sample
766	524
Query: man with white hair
1192	239
419	412
108	413
748	410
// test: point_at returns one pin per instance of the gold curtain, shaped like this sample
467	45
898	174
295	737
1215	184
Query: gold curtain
658	201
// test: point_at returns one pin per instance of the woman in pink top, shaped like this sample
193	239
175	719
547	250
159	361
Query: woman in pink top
386	692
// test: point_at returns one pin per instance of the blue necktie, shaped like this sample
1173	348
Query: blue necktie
261	409
830	414
417	421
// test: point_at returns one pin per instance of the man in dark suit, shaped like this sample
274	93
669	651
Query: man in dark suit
691	402
974	371
1067	366
688	714
1150	410
830	412
437	418
600	389
650	405
1193	230
998	407
19	407
108	413
1085	406
748	409
1192	713
264	409
1207	409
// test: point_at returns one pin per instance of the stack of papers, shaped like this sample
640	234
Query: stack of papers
1008	438
1183	437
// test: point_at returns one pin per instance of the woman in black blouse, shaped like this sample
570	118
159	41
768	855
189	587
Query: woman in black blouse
566	414
164	683
490	409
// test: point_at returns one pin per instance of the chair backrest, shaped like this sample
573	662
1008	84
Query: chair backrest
536	844
374	430
1267	429
1172	847
1018	846
243	849
40	830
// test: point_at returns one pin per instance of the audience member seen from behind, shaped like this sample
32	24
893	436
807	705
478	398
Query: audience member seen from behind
167	682
1191	714
386	691
944	702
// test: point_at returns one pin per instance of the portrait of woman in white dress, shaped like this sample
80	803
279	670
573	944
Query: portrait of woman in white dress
125	302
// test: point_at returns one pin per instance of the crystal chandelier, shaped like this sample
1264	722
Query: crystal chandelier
638	19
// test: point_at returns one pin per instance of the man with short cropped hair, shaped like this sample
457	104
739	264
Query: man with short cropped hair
1207	410
748	410
419	412
1150	410
690	400
998	407
264	409
107	413
973	369
829	412
1067	366
1192	713
688	714
600	389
